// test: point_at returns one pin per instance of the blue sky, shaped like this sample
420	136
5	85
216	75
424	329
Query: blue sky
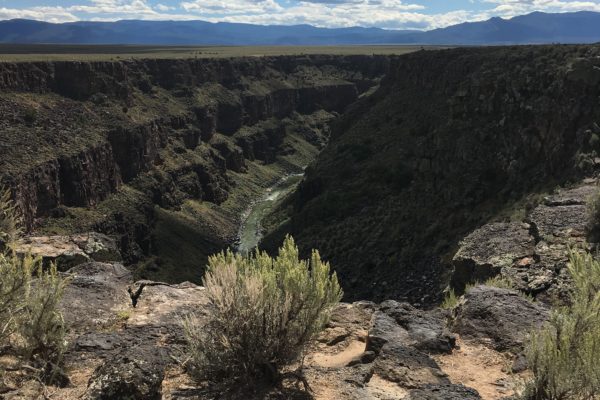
390	14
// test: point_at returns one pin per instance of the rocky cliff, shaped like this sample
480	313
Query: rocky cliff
165	154
452	139
447	174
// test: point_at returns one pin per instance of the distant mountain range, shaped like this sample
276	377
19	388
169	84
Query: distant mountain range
578	27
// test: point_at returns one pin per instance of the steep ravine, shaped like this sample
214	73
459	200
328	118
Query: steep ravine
252	228
452	140
453	162
165	155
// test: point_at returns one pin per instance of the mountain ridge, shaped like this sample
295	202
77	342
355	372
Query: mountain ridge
533	28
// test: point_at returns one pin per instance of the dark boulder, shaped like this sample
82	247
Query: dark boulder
444	392
498	317
485	252
426	329
133	375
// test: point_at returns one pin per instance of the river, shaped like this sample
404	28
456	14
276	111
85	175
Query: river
251	230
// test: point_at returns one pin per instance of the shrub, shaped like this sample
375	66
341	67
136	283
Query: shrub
450	300
30	322
564	355
593	223
264	311
9	220
501	282
40	325
30	115
14	280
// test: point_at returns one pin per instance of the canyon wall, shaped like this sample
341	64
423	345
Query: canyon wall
452	139
112	146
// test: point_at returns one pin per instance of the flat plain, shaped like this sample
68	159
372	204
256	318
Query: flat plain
37	52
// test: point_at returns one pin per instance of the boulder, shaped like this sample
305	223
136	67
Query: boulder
69	251
499	318
384	330
484	253
135	374
559	221
408	367
444	392
426	329
396	360
96	292
98	247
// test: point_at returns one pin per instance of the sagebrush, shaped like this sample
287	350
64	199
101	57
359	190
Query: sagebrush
31	325
564	355
264	311
593	222
9	220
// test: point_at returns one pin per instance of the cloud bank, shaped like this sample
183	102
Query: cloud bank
391	14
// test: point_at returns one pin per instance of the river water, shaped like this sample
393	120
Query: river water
251	231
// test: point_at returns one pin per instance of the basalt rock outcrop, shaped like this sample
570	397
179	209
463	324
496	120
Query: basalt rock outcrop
501	318
69	251
533	254
450	141
142	149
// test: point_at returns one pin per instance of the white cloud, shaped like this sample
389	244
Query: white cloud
162	7
49	14
138	8
511	8
328	13
392	14
226	7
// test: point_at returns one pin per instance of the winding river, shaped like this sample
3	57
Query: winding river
251	231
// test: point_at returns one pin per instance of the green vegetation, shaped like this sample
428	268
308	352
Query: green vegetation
30	115
593	224
31	325
265	310
564	355
451	299
501	282
9	220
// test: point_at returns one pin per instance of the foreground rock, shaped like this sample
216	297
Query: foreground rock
368	351
132	375
426	330
500	318
444	392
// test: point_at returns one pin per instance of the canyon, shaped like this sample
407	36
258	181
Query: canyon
453	140
165	155
412	175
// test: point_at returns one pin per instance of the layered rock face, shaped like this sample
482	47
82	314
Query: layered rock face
533	254
451	141
129	147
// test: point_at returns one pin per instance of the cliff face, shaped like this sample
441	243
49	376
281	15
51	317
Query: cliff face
121	146
450	141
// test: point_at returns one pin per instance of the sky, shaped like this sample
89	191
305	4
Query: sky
389	14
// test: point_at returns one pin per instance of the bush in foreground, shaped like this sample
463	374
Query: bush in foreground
593	222
9	220
264	311
564	355
31	326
